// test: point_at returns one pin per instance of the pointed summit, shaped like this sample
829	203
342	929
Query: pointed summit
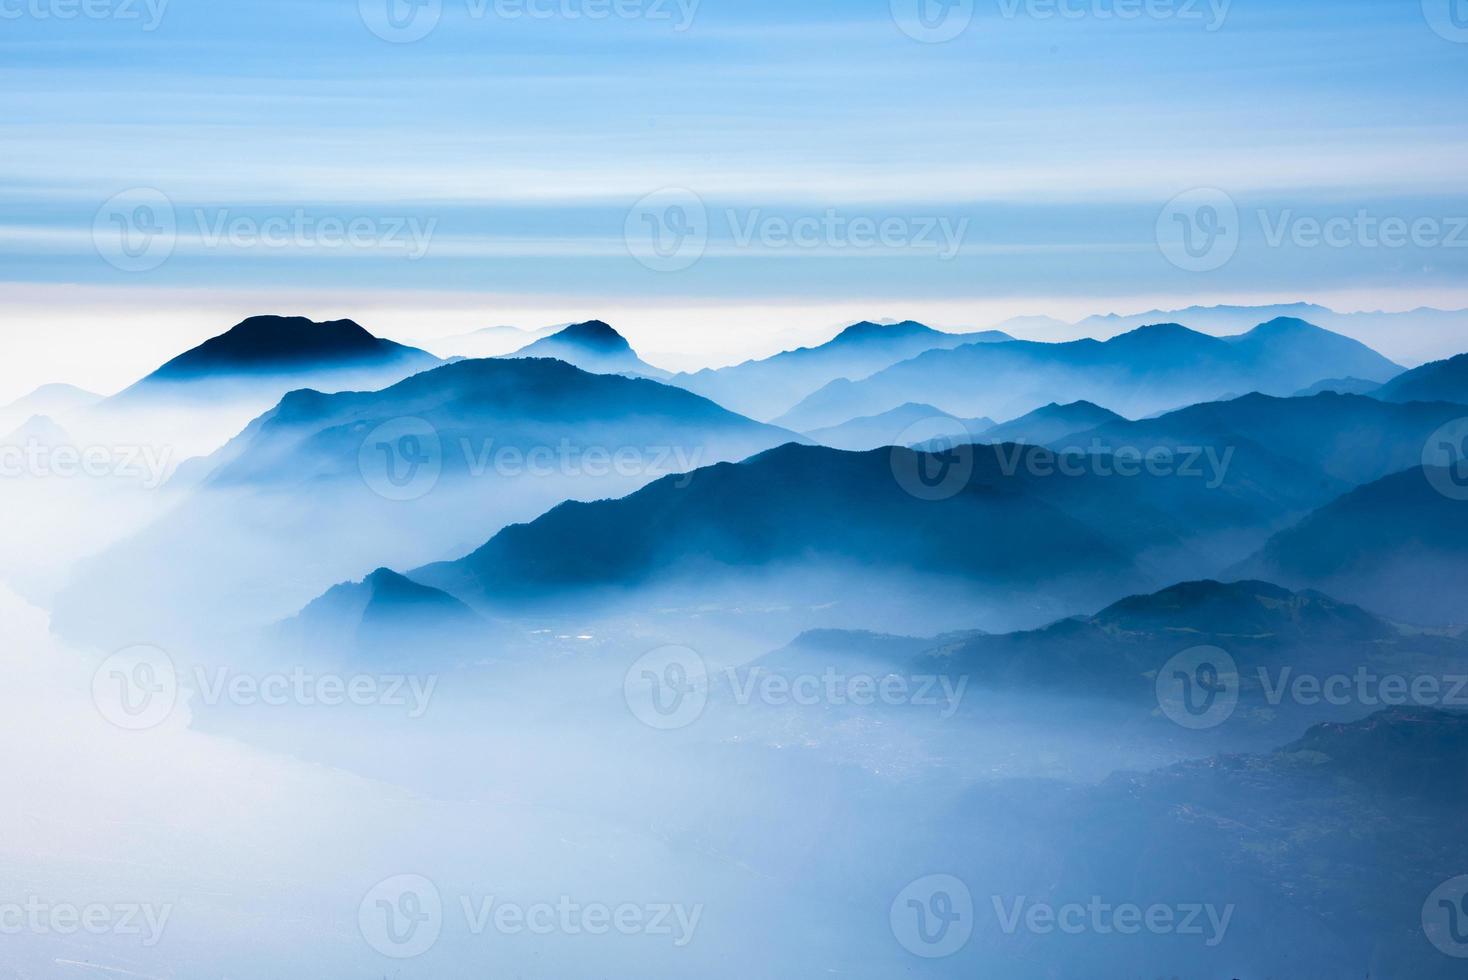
593	346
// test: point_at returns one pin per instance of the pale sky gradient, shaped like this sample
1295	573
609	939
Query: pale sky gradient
520	147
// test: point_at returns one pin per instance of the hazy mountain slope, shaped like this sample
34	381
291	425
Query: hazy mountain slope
766	388
592	346
1398	546
325	487
1440	381
1340	440
1052	422
1151	369
907	425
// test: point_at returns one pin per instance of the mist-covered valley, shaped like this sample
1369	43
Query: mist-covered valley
552	666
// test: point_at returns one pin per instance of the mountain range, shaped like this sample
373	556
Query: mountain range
764	389
1150	370
592	346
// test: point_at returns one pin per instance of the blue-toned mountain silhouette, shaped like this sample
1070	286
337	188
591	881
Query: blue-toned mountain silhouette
1440	381
907	425
1322	445
325	487
276	350
1151	369
766	388
1398	546
593	346
1340	386
817	527
1051	423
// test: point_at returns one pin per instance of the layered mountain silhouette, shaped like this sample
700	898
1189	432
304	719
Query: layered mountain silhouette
1149	370
766	388
386	619
592	346
1398	546
912	424
325	487
848	532
1051	423
1322	445
1440	381
53	401
276	349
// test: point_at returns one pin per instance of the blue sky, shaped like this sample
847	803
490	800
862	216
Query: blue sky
1020	167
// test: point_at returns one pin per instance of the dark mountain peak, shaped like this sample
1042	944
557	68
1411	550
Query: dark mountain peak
276	343
594	334
1441	381
1159	333
1412	751
1286	325
869	330
1245	608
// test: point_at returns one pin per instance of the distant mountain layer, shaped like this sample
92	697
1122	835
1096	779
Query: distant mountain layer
325	487
1412	337
1149	370
912	424
1046	425
1440	381
265	356
1398	546
766	388
592	346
